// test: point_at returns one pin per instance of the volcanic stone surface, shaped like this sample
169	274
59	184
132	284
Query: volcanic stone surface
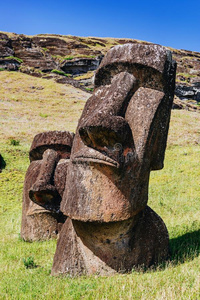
44	184
121	136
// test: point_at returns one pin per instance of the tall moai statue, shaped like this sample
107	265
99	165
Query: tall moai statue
121	137
44	183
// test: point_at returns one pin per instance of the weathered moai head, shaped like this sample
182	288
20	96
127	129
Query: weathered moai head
121	136
44	185
2	163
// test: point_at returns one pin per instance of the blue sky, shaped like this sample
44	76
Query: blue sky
170	23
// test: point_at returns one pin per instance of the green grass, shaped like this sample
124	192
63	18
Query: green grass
45	49
59	72
174	194
68	57
29	263
15	58
43	115
14	142
89	89
186	75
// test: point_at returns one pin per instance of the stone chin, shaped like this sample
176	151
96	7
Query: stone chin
101	192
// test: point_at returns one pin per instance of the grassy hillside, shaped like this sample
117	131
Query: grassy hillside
43	54
30	105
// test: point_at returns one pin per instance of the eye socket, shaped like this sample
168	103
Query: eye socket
37	153
112	130
42	197
99	137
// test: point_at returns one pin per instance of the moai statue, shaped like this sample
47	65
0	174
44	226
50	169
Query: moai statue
44	183
120	138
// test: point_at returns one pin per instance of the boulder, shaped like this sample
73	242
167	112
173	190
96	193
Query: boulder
80	66
188	92
9	64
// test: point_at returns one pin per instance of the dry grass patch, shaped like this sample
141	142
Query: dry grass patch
30	105
184	128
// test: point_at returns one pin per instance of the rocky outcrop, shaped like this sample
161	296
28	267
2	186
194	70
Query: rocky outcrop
10	64
80	66
188	92
52	45
5	46
73	56
32	55
179	104
7	61
188	76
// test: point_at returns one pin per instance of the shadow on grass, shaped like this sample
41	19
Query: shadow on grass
185	247
2	163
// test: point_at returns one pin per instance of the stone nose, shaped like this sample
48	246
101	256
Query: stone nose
103	124
43	192
105	134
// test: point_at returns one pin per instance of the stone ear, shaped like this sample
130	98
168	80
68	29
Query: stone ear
149	121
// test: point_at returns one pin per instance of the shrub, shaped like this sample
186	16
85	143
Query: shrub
14	142
69	58
29	263
43	115
89	89
59	72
